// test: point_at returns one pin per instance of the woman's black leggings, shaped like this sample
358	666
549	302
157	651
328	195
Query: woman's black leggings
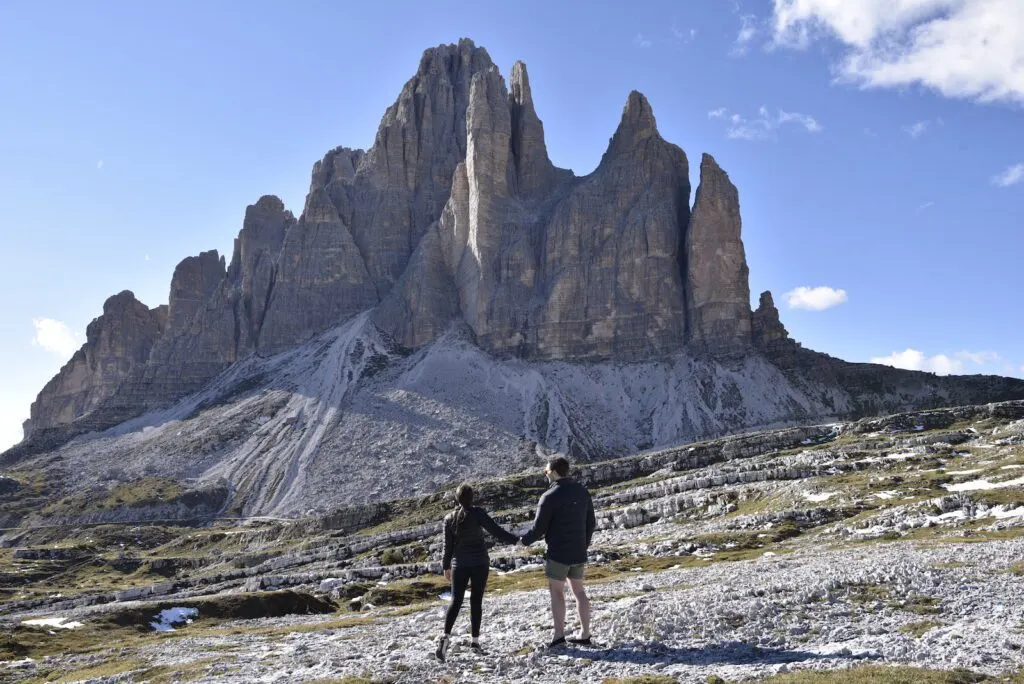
461	577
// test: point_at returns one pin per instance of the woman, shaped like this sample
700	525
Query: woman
465	562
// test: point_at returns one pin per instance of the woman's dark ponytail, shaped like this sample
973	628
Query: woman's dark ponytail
464	498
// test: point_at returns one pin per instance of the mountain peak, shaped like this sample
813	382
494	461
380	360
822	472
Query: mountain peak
636	125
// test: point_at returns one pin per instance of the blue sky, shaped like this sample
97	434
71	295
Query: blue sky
878	146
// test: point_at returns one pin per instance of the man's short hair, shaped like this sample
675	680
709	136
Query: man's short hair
560	465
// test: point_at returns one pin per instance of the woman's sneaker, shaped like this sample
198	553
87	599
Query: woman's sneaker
442	648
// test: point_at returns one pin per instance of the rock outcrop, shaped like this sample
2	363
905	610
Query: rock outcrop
767	331
455	219
117	344
718	294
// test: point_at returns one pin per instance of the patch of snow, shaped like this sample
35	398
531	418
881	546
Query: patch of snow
1012	467
889	494
58	622
902	456
24	664
170	617
975	485
1006	512
963	472
946	517
817	498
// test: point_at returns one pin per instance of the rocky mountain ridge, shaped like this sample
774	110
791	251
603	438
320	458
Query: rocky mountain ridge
455	219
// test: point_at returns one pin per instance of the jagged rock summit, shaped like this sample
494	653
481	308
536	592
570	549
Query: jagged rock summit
456	219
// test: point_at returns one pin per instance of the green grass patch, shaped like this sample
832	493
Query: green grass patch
641	679
109	668
919	629
129	627
922	605
881	674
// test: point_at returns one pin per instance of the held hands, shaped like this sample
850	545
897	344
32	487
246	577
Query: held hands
448	574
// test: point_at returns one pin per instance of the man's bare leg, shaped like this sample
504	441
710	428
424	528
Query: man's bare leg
579	592
557	589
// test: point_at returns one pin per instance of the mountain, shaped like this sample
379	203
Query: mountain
449	302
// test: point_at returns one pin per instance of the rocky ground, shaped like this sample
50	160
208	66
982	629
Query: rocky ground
882	543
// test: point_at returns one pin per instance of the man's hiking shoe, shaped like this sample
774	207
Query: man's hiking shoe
442	648
576	641
557	643
476	648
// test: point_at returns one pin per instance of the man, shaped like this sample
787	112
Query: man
565	518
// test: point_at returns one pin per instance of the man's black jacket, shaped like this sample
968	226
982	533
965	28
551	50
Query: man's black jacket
565	518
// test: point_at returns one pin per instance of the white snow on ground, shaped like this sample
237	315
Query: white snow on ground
1002	512
886	494
168	618
57	622
818	498
975	485
1012	467
903	456
972	471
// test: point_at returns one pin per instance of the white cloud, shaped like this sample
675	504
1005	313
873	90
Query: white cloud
979	358
968	49
916	130
912	359
1010	176
747	32
642	41
925	205
147	257
99	165
55	337
764	125
815	298
807	122
945	364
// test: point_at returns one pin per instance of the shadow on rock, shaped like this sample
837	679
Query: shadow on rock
731	653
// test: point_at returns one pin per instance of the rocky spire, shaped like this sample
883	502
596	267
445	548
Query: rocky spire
253	267
718	294
636	125
195	280
766	327
488	172
402	184
534	171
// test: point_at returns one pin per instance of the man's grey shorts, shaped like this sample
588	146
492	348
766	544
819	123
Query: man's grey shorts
560	571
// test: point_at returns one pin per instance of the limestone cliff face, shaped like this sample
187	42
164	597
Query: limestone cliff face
718	293
612	286
117	343
401	185
550	266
